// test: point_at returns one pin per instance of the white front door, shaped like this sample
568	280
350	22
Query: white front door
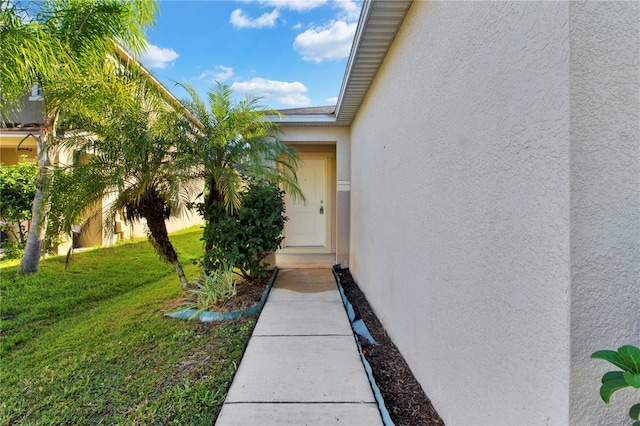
307	221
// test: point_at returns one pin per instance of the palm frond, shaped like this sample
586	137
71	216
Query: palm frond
28	55
237	143
230	184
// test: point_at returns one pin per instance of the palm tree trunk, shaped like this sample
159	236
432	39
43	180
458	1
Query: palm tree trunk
33	249
183	278
212	210
159	238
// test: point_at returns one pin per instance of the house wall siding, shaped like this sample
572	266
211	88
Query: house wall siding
605	199
9	156
29	111
460	207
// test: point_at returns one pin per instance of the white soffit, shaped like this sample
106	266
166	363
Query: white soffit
379	22
378	25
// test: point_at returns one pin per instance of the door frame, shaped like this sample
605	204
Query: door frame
329	206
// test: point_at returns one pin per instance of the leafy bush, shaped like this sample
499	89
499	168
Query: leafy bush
245	237
68	201
18	187
213	288
12	249
628	359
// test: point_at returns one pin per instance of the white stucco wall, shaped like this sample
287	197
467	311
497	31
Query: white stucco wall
337	135
605	200
460	207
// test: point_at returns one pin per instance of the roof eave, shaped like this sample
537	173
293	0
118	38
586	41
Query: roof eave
304	120
124	55
378	25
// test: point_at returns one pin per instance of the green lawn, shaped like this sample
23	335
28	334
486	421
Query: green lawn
91	345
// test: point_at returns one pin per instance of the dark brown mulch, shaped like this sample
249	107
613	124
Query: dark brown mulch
403	396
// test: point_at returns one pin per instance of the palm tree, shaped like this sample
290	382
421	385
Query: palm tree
236	142
129	138
46	43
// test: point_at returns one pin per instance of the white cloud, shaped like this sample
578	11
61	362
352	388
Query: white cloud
240	19
350	10
332	43
220	73
297	5
289	94
333	100
157	57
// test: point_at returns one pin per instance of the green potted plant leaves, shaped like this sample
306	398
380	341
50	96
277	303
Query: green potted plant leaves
626	358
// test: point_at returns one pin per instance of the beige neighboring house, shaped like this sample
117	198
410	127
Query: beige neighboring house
480	177
19	136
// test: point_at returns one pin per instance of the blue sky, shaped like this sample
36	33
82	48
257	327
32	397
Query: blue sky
292	53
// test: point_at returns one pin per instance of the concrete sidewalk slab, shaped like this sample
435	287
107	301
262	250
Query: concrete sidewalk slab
303	319
302	276
301	365
301	369
249	414
278	294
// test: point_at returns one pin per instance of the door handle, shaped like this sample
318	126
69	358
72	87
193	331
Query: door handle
321	209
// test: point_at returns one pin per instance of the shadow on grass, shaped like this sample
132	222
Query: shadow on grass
91	345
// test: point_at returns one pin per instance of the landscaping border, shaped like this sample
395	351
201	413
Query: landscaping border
360	328
209	316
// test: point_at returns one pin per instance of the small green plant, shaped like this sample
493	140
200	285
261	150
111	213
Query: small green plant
213	288
628	359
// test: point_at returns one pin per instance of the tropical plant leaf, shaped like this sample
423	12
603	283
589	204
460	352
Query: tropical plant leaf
612	375
632	379
634	412
631	357
612	356
609	388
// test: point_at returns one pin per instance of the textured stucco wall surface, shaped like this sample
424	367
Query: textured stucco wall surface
460	207
605	200
340	136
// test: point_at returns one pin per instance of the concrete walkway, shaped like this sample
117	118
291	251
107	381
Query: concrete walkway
301	366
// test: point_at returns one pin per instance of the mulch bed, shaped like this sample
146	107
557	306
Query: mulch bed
249	294
403	396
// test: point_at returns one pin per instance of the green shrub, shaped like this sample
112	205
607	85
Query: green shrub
18	187
212	288
12	249
626	358
245	237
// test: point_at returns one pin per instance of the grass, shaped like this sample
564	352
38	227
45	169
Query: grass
92	346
